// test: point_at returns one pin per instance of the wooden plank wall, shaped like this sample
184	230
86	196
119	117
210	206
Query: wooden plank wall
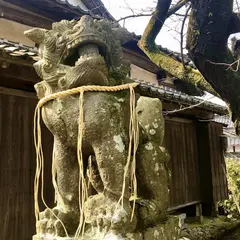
181	142
218	166
17	167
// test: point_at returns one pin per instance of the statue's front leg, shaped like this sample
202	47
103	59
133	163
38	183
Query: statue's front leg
153	184
67	210
106	210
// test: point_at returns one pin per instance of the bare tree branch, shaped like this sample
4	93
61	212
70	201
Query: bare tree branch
129	7
135	16
181	109
180	15
176	7
156	22
233	66
182	35
171	11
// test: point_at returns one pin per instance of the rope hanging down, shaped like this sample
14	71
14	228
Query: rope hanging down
83	194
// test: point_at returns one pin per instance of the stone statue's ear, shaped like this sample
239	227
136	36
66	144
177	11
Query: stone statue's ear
122	34
37	35
38	68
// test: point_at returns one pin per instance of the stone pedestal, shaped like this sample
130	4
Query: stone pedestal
166	231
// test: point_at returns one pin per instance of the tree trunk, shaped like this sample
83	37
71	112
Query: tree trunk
211	23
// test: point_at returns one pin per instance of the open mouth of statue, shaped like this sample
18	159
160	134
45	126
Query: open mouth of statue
85	51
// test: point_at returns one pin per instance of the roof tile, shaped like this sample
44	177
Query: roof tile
15	49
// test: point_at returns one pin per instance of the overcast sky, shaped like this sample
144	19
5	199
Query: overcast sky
120	8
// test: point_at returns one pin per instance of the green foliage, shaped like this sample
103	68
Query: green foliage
197	32
210	14
232	205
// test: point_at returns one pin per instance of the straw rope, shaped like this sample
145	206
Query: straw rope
83	189
90	88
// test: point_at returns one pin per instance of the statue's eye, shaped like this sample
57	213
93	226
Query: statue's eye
47	67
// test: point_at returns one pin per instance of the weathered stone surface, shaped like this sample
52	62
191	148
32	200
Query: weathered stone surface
169	230
88	52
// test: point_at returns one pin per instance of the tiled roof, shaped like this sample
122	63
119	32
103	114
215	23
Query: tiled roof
173	95
15	50
224	120
232	138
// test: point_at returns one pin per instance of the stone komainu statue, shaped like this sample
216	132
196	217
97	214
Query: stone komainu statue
88	52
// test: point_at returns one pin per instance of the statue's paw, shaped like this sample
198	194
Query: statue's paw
108	214
57	222
45	224
101	218
99	212
148	212
111	218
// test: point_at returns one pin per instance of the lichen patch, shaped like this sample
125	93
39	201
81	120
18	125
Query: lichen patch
121	99
152	132
156	233
156	167
117	106
119	143
147	126
149	146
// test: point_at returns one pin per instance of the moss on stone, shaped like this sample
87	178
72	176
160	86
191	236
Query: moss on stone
211	228
176	68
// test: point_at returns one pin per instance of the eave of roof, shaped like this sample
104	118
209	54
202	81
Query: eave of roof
98	8
225	120
95	7
172	95
69	6
17	51
54	10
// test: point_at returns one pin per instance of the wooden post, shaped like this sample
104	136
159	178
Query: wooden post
206	185
199	216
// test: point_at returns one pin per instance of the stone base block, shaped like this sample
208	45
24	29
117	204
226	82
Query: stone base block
170	230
